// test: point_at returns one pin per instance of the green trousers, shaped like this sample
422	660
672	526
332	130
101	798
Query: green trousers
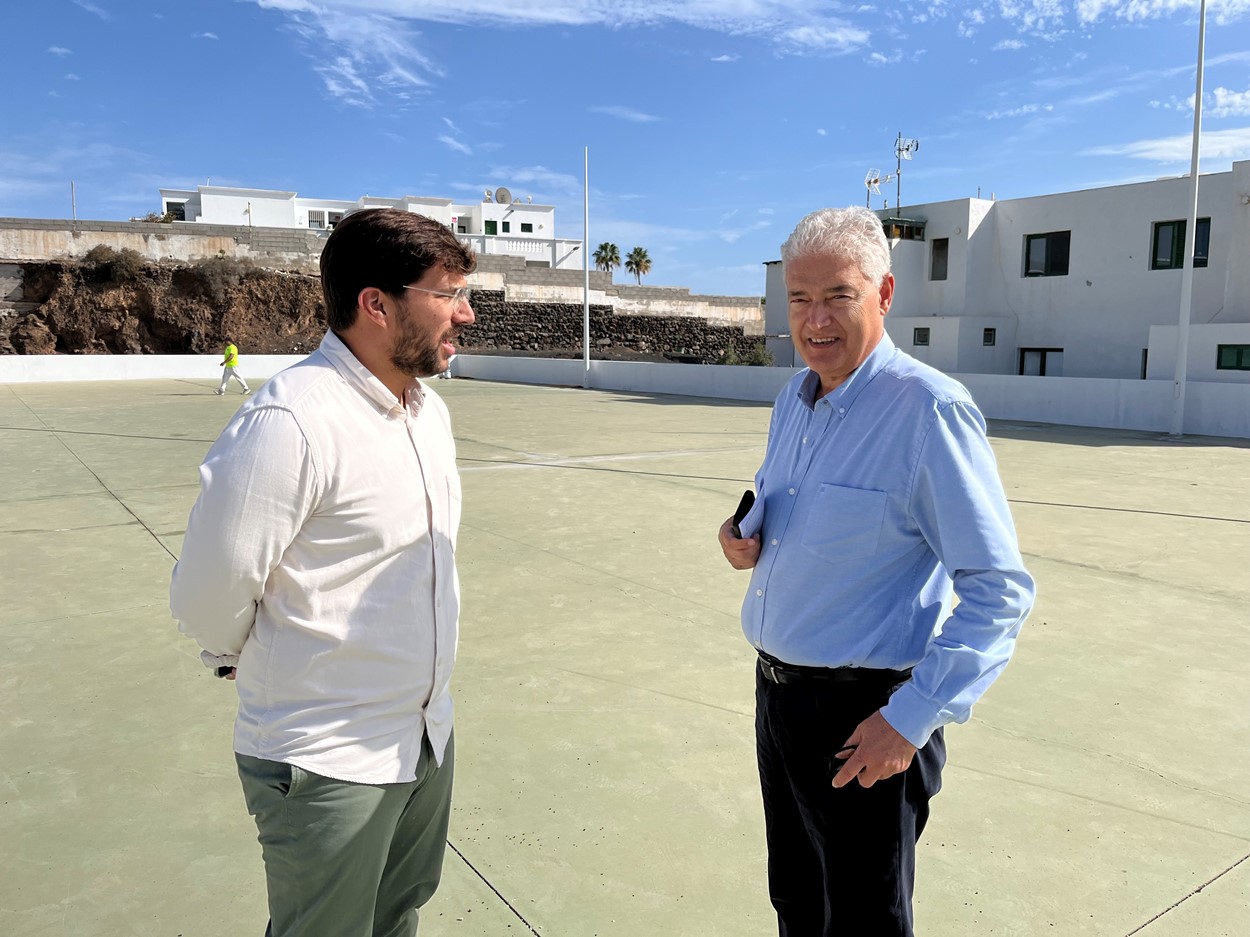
345	859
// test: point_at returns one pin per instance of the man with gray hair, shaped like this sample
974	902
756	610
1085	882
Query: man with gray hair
878	502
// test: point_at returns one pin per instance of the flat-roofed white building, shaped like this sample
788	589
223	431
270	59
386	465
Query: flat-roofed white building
1076	284
496	225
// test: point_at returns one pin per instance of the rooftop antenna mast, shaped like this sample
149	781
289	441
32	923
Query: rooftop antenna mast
873	182
902	150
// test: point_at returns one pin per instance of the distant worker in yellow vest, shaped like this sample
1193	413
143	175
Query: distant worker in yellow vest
230	369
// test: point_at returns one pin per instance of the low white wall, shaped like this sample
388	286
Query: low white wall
30	369
1210	409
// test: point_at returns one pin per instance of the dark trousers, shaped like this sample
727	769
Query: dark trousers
840	862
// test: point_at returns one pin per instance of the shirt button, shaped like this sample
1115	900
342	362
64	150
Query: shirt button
841	409
791	491
805	440
759	592
774	541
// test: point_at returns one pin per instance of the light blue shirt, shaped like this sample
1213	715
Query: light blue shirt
874	504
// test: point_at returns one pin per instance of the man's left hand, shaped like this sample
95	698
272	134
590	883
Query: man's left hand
873	753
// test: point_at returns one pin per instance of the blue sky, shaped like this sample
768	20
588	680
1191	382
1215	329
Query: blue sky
713	125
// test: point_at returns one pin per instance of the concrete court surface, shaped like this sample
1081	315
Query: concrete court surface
606	782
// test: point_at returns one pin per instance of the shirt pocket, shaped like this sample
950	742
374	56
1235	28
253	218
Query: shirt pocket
843	523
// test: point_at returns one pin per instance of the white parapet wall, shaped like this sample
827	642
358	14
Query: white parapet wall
1210	409
33	369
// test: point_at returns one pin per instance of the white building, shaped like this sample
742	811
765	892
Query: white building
1078	284
496	225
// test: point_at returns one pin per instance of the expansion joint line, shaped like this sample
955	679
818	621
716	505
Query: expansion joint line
99	481
486	881
1175	905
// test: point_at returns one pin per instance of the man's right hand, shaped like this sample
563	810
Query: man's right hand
742	553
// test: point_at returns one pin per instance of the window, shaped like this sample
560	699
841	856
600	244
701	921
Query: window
989	336
176	210
317	219
920	336
1046	255
938	255
1232	358
335	218
527	227
1041	362
507	227
490	227
1168	244
903	230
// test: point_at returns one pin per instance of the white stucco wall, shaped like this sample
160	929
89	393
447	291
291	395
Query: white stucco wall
1201	358
231	206
1211	409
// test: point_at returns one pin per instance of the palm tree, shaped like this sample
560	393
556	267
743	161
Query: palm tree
607	257
638	263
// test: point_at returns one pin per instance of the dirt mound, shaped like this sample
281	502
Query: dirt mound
112	307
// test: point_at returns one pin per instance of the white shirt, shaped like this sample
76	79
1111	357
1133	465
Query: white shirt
320	556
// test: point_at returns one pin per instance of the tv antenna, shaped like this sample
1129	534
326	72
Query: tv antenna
873	182
903	149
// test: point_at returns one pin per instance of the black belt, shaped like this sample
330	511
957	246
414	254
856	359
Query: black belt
776	671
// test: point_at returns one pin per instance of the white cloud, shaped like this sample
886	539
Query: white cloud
206	36
92	8
834	37
822	132
1224	11
1022	111
71	77
455	145
1216	144
1009	45
555	183
624	113
342	80
59	50
1228	103
1222	102
450	125
726	58
878	58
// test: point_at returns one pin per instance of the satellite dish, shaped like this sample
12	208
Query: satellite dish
503	196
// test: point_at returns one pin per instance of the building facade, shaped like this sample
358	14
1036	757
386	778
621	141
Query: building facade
496	225
1076	284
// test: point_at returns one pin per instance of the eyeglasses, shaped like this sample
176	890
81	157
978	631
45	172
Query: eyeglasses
461	294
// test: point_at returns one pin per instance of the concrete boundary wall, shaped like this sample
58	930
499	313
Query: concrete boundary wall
1211	409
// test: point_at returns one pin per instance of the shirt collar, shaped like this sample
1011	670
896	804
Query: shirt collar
846	392
364	380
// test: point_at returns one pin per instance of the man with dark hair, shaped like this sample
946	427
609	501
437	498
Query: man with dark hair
878	502
318	571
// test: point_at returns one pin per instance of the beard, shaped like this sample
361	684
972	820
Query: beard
419	353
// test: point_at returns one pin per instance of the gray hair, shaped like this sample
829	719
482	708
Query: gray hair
852	233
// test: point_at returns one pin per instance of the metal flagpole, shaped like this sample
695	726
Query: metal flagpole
586	268
1187	257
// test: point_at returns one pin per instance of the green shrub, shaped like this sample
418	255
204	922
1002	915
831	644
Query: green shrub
759	356
730	356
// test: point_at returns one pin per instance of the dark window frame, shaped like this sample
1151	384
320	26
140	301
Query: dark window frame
939	258
1056	252
527	227
989	337
920	337
1177	228
1237	355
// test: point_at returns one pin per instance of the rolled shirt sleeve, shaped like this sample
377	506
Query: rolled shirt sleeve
258	484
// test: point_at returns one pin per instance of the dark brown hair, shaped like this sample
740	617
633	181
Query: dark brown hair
388	249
